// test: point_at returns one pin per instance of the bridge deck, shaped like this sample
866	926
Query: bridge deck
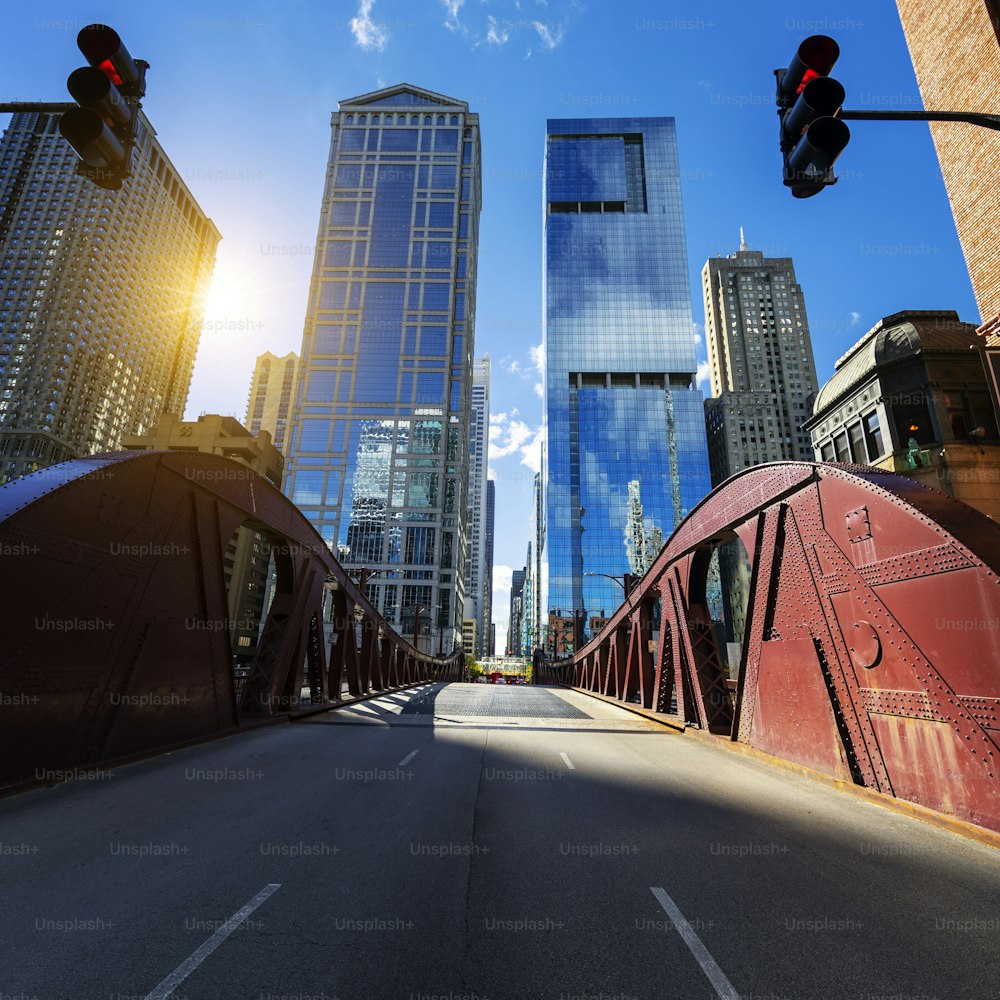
467	841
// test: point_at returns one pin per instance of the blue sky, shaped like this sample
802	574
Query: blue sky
240	95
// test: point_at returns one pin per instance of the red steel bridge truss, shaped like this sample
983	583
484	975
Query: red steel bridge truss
116	636
871	648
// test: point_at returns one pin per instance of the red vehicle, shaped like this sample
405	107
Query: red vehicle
496	677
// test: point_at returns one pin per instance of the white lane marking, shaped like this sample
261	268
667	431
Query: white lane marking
406	760
184	970
569	763
723	987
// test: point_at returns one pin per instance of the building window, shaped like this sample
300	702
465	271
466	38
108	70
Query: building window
873	436
856	435
913	421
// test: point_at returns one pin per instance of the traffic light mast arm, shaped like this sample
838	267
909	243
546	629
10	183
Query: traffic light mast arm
970	117
44	107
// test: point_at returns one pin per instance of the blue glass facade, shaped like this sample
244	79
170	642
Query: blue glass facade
378	450
626	450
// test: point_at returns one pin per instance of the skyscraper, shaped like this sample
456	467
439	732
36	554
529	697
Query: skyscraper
955	48
100	296
624	420
378	454
270	401
514	624
479	436
760	358
491	501
763	380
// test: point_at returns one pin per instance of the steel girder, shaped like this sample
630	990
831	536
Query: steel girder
872	643
117	637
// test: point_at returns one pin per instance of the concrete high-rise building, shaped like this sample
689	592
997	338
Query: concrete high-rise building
955	49
101	296
378	457
269	405
479	437
621	406
490	629
761	367
514	623
763	380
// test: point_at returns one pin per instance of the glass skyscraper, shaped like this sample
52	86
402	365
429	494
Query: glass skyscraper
626	450
378	454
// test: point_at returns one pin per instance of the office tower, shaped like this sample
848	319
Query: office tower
101	296
760	358
479	435
955	49
378	456
488	627
270	401
763	380
620	403
528	618
514	624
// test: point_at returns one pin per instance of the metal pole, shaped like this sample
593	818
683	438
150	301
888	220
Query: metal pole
44	107
969	117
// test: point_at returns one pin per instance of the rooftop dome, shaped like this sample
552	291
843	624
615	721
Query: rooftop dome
895	338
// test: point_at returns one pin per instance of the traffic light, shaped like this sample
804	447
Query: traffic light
108	91
809	100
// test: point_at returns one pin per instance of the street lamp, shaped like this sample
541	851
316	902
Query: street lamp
626	581
417	609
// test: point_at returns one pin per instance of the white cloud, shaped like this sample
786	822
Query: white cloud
855	318
539	390
367	34
698	333
531	453
550	37
510	436
702	375
514	368
452	8
507	436
537	357
497	33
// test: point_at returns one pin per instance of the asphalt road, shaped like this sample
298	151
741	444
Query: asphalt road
471	843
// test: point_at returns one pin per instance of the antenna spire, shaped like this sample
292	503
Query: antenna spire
743	242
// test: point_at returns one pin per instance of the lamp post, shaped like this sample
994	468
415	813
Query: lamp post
417	609
626	581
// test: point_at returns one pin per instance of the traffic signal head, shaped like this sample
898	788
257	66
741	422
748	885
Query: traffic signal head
104	50
809	100
108	91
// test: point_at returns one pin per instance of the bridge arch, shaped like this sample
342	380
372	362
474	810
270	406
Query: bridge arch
872	645
117	637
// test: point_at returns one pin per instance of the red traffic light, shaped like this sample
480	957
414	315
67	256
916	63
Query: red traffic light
103	48
816	56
